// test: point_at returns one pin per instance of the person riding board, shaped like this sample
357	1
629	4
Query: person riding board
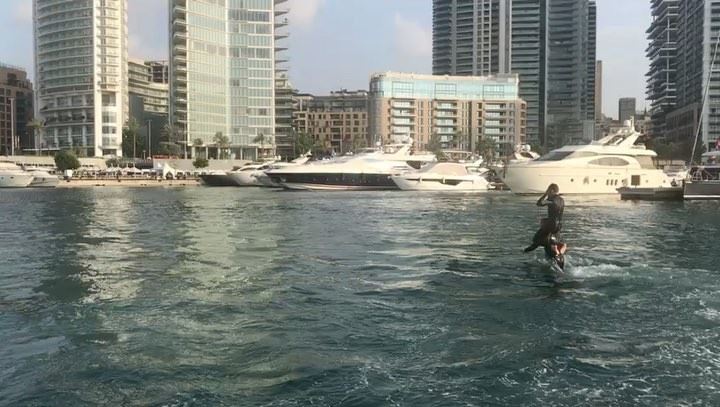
551	225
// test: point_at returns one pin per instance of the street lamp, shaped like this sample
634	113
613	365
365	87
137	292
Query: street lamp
149	126
12	126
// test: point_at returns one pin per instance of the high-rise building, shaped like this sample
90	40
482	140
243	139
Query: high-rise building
337	122
284	137
626	109
148	104
683	40
81	74
222	74
543	41
662	75
160	71
141	84
598	91
460	111
570	87
16	110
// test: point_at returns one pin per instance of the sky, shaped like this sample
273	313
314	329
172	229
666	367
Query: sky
338	44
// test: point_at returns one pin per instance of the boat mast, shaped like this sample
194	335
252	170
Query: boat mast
705	97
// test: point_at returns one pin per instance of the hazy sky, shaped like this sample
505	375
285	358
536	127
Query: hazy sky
339	43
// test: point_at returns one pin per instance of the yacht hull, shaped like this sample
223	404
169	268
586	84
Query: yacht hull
430	183
333	181
245	179
534	179
702	190
45	182
217	180
15	180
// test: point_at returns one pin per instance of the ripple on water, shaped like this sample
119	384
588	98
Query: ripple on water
245	297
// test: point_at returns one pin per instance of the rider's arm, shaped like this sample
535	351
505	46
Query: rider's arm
542	201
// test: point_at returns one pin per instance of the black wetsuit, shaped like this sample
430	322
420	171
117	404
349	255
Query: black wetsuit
548	226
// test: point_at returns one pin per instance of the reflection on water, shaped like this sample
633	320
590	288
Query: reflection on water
253	297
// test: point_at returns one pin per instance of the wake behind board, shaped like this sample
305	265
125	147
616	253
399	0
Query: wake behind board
557	264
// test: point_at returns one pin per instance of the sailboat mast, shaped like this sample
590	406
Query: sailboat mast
705	97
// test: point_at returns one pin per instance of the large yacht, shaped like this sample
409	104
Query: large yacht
12	176
264	179
246	176
704	180
598	168
42	178
368	170
442	176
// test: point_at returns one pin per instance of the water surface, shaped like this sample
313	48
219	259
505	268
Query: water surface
207	297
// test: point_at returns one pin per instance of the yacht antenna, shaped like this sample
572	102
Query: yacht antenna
705	98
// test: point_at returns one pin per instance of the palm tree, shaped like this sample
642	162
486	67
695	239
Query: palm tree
223	143
36	126
260	138
130	139
197	143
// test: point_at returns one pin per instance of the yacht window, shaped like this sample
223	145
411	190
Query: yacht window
646	162
582	154
610	162
555	156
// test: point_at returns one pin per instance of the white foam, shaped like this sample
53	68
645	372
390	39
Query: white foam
598	270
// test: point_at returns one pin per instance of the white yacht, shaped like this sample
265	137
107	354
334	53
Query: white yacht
442	176
597	168
368	170
12	176
42	178
217	179
246	176
264	179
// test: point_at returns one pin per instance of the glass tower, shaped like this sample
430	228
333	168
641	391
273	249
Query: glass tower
222	70
81	74
557	75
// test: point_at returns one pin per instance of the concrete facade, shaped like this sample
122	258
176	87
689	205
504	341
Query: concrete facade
16	110
222	73
543	41
459	112
626	109
337	122
81	74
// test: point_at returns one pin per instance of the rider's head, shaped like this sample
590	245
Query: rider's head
553	190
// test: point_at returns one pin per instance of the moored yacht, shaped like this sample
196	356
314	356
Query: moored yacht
42	178
704	180
246	176
217	179
12	176
365	171
262	177
598	168
442	176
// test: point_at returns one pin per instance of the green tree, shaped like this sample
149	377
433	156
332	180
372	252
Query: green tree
223	143
36	126
359	143
486	148
200	163
197	144
66	160
434	145
461	140
304	143
132	143
260	139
